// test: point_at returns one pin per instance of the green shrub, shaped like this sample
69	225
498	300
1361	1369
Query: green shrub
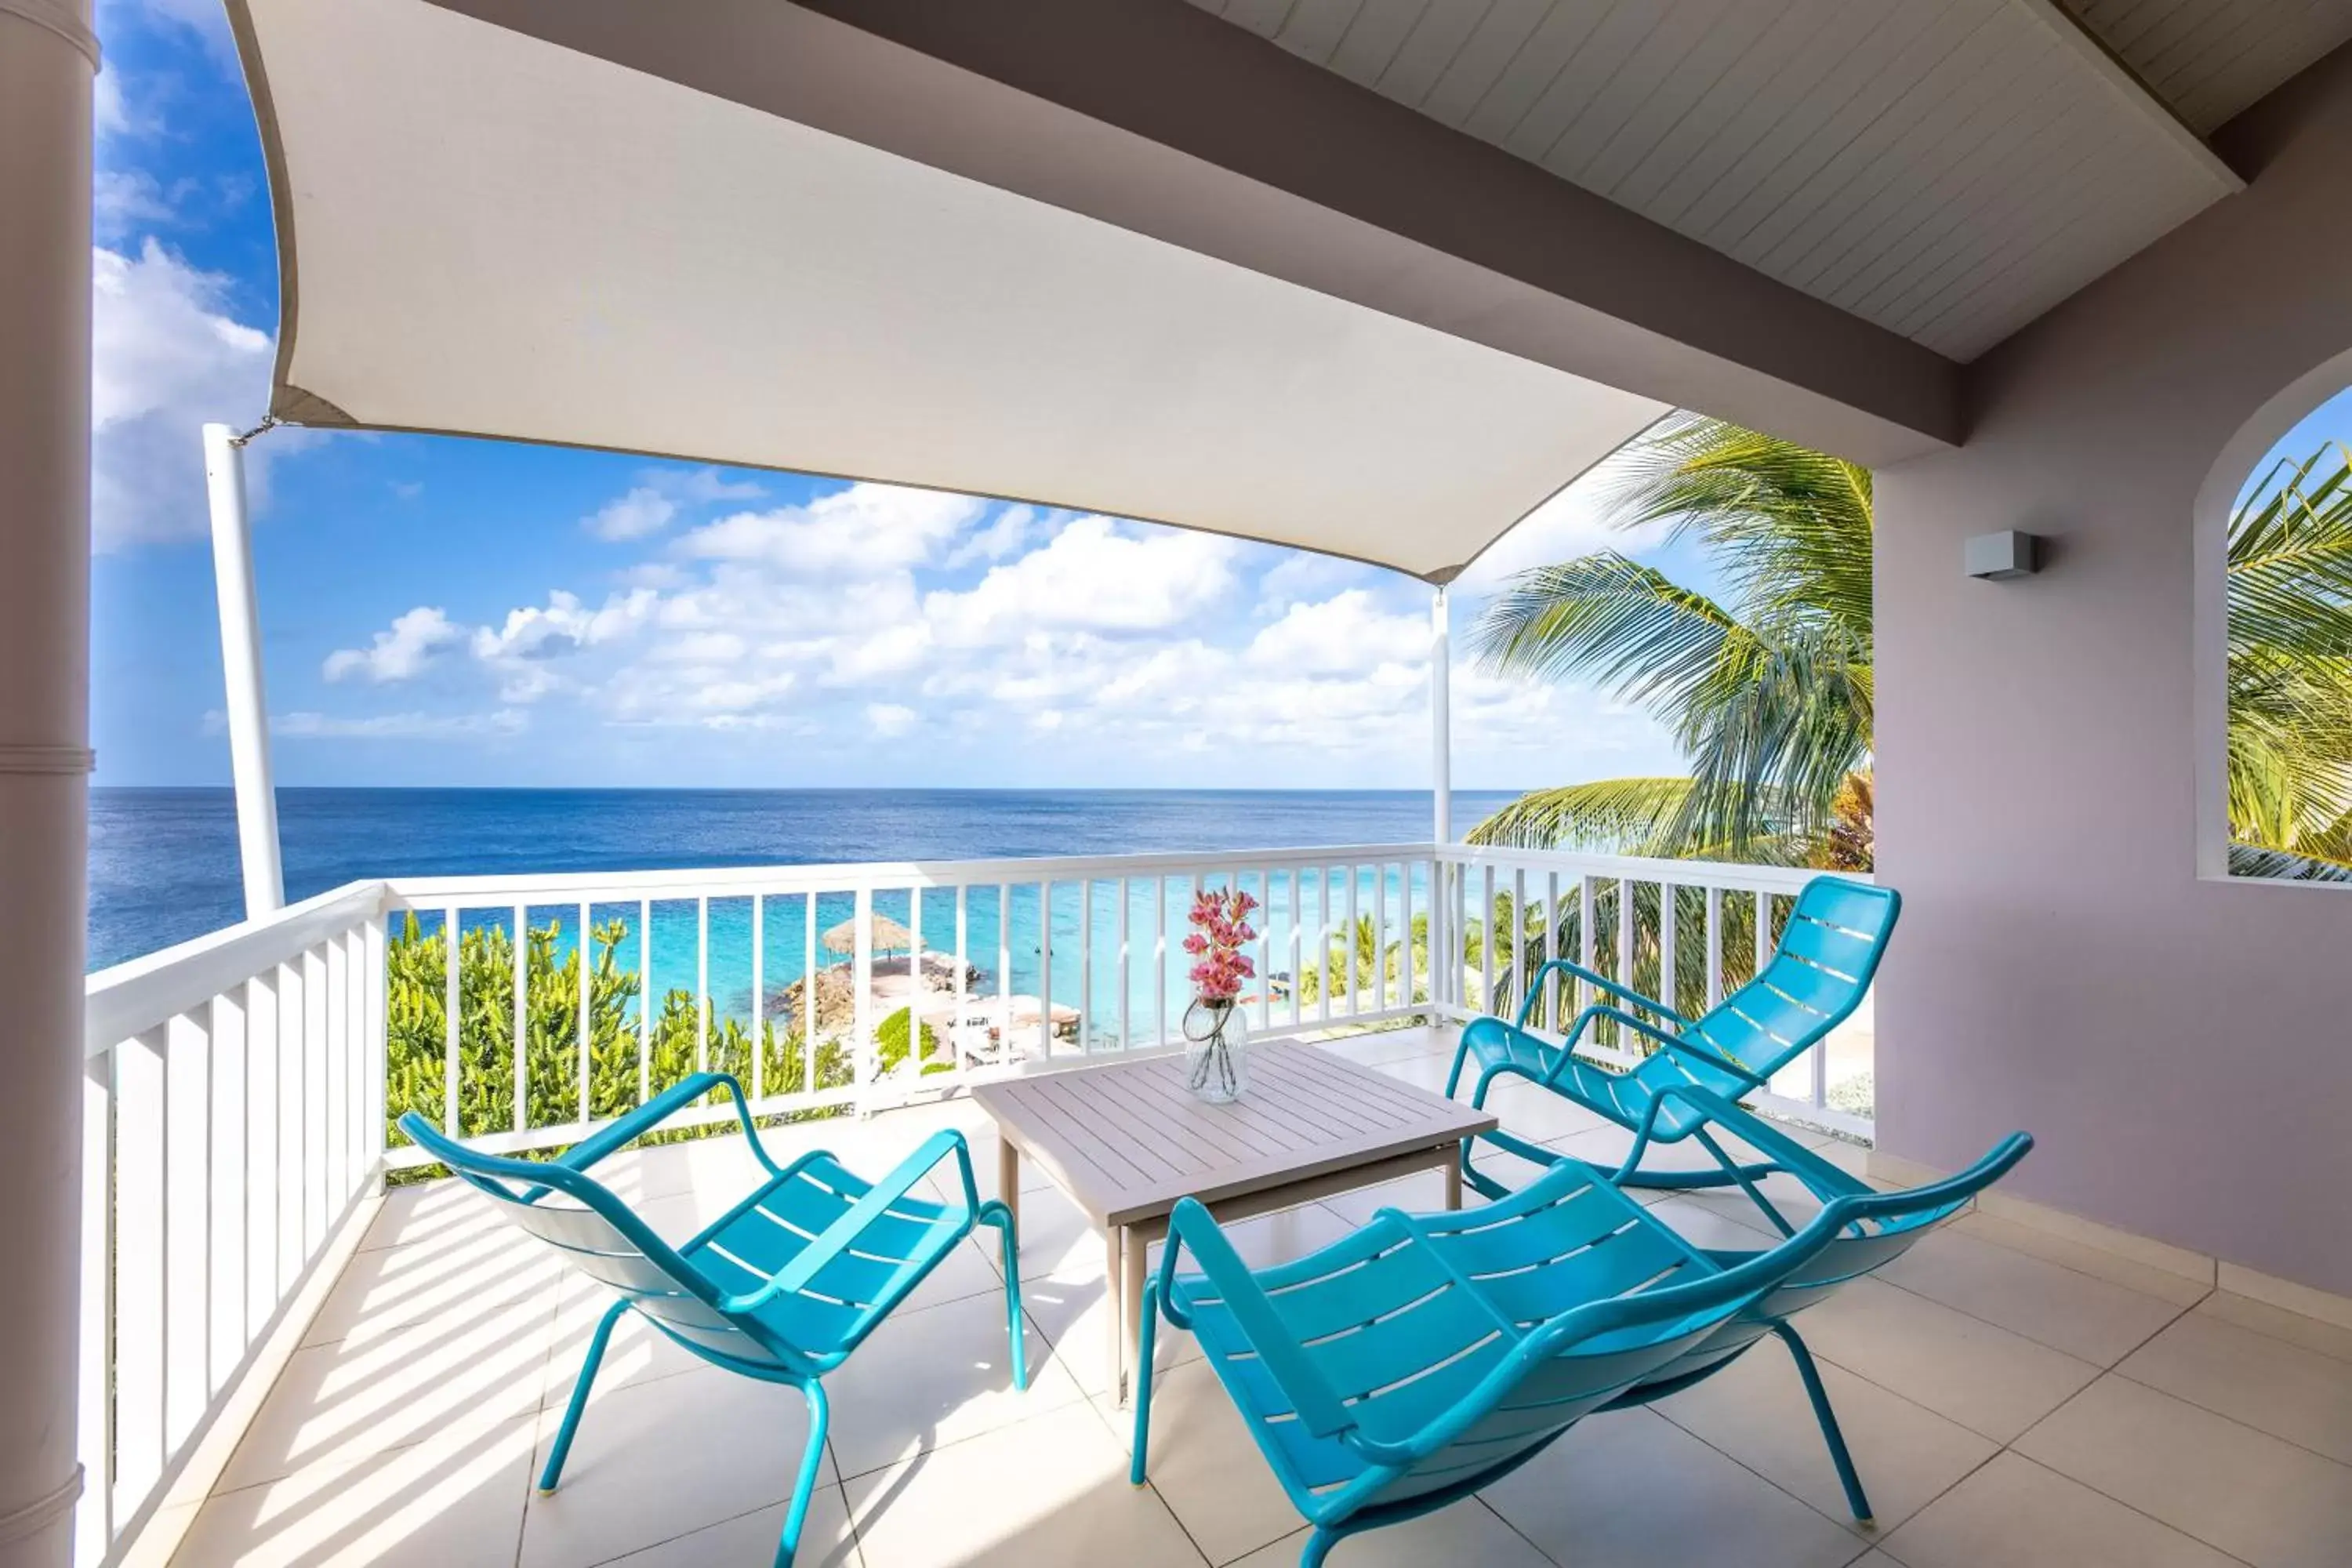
890	1039
416	1017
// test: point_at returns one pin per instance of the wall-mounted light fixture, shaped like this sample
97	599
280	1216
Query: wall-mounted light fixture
2000	556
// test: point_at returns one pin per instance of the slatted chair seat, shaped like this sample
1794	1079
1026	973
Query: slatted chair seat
1829	951
1425	1356
782	1287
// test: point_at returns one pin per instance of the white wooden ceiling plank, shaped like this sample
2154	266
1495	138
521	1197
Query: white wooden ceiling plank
2267	63
1535	68
1491	46
2006	295
1316	26
1379	30
1435	39
1665	89
2059	123
1603	54
1264	18
2137	31
1923	173
1918	79
1793	145
2016	212
1794	77
2190	53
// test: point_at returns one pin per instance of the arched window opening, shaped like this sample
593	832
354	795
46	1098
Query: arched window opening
2288	763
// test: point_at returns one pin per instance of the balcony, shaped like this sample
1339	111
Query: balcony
308	1365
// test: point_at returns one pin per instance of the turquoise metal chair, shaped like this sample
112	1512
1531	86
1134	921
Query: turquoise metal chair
782	1287
1426	1356
1879	1228
1828	953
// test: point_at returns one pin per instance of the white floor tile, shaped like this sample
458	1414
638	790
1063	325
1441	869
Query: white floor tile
1051	1493
937	1376
2259	1499
2015	1513
2270	1384
1962	1368
1469	1533
663	1458
1207	1468
1634	1489
2091	1318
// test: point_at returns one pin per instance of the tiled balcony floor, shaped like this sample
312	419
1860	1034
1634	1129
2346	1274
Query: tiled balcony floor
2012	1400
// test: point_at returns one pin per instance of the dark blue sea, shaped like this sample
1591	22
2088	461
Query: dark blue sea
163	862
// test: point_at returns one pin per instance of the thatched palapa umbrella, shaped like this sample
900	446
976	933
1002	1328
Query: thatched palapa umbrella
889	936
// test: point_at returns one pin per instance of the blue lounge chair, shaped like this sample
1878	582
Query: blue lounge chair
782	1287
1426	1356
1828	953
1879	1229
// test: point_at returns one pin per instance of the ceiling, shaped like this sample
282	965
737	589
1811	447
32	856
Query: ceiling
1946	171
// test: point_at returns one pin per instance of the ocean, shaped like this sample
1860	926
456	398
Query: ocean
163	862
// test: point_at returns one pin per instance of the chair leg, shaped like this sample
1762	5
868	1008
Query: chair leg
1143	1383
997	1215
1318	1546
1747	1176
1855	1497
805	1484
562	1449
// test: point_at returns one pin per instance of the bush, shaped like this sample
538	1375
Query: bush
416	1013
890	1038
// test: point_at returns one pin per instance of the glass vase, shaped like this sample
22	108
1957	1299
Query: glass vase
1216	1050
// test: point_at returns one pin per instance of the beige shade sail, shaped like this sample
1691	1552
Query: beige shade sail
482	233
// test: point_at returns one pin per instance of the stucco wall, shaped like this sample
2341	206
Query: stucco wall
2180	1046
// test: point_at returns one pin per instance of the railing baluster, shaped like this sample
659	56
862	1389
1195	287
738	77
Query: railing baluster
1004	1042
702	984
314	1082
1518	937
141	1302
759	996
1355	1002
1126	979
1293	896
1587	913
1669	961
962	973
1085	965
225	1218
914	980
1265	950
1550	1003
262	1120
522	1017
644	1000
293	1095
453	1020
97	1440
1323	979
808	996
1713	948
1045	967
583	948
332	1130
861	977
1158	960
1626	1039
1486	946
187	1201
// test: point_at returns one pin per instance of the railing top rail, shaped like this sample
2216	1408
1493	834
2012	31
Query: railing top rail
431	892
129	998
1645	868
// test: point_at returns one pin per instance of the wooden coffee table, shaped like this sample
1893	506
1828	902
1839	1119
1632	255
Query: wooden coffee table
1126	1139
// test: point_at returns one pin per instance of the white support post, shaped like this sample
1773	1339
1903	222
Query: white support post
47	58
1442	960
248	712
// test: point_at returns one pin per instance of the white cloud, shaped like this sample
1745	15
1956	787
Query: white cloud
312	726
650	507
206	18
1012	528
642	511
889	720
399	652
1341	635
1091	575
1573	523
863	531
125	200
563	625
166	359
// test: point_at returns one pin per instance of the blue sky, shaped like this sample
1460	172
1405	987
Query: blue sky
446	612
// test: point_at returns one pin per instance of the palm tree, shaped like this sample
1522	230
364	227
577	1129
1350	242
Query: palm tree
1771	695
1771	699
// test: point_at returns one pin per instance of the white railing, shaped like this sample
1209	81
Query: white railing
241	1087
1638	922
1001	965
232	1118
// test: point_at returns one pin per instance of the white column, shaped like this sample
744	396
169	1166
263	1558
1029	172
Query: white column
1441	722
47	57
1444	973
248	709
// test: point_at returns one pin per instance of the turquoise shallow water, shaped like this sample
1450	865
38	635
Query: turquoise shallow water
163	865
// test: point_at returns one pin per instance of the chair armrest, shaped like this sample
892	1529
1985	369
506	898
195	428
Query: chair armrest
1544	972
1823	1180
1320	1410
843	1233
1677	1043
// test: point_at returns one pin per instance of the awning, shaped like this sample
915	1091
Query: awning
485	233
